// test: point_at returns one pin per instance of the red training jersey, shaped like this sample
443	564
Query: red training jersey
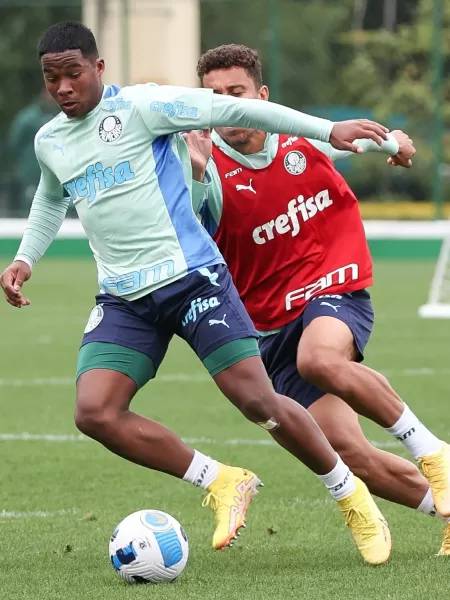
290	231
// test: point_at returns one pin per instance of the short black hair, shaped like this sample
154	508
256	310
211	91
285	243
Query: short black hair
231	55
68	35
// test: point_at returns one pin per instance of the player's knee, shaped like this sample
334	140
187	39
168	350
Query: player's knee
92	419
251	391
258	406
258	403
326	369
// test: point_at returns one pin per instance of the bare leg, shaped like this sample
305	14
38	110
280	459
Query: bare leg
385	474
102	412
325	358
248	387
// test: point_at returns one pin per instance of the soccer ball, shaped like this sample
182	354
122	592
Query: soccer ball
149	546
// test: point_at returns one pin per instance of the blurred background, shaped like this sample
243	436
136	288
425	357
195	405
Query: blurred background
384	59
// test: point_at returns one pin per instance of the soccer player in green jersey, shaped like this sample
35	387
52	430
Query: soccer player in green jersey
116	155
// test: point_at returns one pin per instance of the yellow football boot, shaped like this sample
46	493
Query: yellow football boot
436	468
229	497
369	528
445	548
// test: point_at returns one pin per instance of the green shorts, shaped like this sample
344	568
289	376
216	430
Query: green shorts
140	367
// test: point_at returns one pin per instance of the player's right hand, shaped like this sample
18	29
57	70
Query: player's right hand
12	279
406	150
344	133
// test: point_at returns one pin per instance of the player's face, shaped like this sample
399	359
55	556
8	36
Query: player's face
235	81
73	80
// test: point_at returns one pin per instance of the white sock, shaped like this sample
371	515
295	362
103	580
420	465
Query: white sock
427	505
339	481
202	471
428	508
413	434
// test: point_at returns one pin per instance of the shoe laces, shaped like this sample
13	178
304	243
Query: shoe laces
211	500
218	506
445	548
359	523
434	470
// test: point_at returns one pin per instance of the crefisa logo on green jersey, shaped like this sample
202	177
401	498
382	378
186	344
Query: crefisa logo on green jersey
175	109
98	178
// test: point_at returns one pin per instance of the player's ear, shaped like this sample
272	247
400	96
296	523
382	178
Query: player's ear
263	92
100	66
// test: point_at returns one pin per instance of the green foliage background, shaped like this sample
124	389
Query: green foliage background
317	57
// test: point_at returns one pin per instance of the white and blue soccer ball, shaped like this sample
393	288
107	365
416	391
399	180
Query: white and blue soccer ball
149	546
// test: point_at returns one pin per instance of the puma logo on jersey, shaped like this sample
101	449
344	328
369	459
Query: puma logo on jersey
240	187
217	322
59	147
213	277
335	308
298	210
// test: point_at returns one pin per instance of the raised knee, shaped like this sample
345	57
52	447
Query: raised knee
250	408
320	367
91	419
258	408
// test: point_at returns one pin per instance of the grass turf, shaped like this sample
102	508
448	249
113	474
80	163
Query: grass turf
61	498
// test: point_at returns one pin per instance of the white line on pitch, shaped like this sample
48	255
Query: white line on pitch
42	437
70	381
202	377
64	438
43	514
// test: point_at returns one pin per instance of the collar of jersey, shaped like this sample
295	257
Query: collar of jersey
259	160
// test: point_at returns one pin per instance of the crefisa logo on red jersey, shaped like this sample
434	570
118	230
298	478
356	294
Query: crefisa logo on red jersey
295	162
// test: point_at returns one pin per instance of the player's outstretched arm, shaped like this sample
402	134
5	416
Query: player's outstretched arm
275	118
168	109
12	279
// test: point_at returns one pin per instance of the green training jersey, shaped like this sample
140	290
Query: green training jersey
130	183
127	171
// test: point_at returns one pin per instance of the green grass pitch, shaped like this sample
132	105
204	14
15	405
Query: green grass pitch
60	497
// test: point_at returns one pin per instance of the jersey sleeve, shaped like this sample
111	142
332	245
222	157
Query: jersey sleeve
267	116
167	109
47	213
389	146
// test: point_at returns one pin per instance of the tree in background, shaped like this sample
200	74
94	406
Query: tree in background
369	57
22	24
392	72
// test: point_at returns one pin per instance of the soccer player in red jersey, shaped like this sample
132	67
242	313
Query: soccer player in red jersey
290	230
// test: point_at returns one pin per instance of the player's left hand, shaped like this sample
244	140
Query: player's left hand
406	150
200	147
344	133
